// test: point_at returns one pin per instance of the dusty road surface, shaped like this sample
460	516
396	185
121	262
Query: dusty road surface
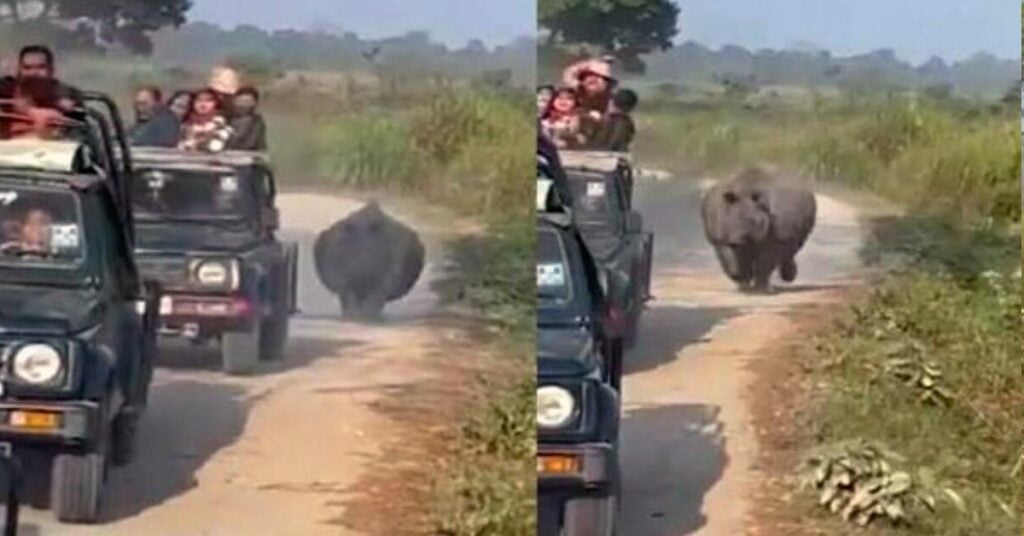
687	440
275	453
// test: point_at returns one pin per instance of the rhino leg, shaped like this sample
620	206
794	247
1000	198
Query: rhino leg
349	303
372	307
763	268
735	265
787	270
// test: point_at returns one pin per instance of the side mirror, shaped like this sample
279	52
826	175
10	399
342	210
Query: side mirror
9	496
634	222
272	218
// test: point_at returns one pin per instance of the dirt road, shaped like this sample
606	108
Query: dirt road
687	441
276	453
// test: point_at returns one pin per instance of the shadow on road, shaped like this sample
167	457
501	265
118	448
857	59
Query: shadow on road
300	352
170	449
681	456
665	330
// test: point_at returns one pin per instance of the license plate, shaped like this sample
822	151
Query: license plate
166	305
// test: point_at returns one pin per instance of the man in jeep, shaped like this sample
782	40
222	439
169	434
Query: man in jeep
37	61
32	234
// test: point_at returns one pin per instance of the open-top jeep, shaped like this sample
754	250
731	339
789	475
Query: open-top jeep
614	233
77	323
579	371
206	225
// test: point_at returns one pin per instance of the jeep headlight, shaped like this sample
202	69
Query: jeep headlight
216	273
37	364
555	406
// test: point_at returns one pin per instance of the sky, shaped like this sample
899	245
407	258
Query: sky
453	22
915	29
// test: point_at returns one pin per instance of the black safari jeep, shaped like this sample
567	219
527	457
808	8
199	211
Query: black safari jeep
614	233
206	227
579	370
77	323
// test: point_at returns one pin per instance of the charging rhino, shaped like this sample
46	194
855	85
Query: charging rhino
368	259
757	222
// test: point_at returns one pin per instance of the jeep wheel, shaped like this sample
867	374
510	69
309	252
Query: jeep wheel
77	484
274	334
596	515
240	351
591	516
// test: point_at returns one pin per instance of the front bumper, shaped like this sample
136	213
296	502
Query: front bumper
575	467
198	315
66	423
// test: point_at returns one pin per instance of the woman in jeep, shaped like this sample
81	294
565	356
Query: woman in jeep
206	128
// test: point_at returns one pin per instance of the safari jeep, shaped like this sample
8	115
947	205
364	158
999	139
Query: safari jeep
206	226
77	324
579	371
614	233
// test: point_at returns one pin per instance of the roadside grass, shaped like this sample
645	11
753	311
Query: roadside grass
950	299
955	307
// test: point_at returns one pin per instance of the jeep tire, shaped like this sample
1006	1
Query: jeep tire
274	329
77	486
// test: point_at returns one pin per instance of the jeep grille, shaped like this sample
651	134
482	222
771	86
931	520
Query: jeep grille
170	273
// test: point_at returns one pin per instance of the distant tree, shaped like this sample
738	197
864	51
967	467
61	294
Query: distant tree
624	28
125	22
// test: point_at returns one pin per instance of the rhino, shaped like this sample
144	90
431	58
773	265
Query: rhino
368	259
757	221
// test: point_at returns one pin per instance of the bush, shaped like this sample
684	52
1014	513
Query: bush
365	151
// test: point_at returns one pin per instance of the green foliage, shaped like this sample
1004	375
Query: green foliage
489	487
626	28
366	151
492	491
126	23
415	53
959	160
464	148
691	63
930	361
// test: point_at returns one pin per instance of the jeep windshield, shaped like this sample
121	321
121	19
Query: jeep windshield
189	195
595	199
553	279
39	227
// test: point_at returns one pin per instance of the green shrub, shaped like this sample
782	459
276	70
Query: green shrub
364	151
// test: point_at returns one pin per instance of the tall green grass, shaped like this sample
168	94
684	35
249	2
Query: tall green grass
958	310
464	148
957	160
